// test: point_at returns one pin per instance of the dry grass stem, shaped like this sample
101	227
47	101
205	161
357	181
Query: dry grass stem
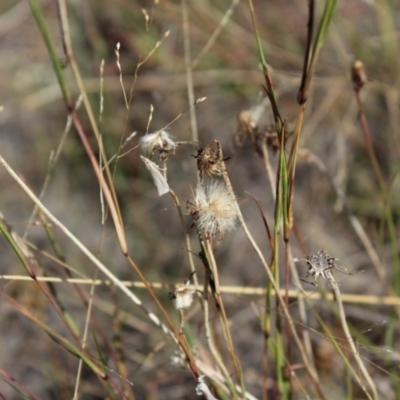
389	301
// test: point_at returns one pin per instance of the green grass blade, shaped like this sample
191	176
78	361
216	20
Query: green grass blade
329	10
5	231
54	56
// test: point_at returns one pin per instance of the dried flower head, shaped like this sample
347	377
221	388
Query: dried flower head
214	209
358	75
319	263
183	295
247	129
246	123
160	142
209	159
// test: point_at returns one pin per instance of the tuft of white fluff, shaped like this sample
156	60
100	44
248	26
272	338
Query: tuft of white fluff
216	209
160	141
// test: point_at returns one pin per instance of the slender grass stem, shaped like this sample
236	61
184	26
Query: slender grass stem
349	338
212	347
224	319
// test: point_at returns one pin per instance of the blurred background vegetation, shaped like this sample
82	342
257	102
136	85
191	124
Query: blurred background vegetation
32	122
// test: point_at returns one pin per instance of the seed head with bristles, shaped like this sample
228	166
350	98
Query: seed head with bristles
160	141
319	263
214	209
210	160
182	297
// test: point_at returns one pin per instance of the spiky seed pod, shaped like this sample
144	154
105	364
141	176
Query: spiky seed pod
214	209
160	142
319	263
358	75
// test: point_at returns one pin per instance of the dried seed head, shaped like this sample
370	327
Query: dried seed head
319	263
358	75
245	128
160	141
214	209
245	122
209	159
183	296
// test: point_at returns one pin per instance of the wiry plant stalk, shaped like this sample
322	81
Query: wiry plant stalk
84	338
224	319
187	238
212	347
189	72
108	189
349	338
52	163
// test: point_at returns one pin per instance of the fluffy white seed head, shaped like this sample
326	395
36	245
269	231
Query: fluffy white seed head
183	297
215	209
160	141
